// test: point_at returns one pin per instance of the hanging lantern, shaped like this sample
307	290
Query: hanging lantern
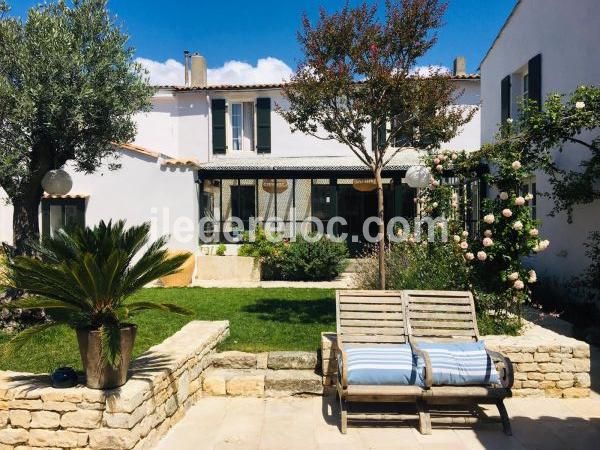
57	182
364	184
271	187
417	176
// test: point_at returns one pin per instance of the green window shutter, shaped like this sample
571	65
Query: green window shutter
534	69
218	126
505	98
263	125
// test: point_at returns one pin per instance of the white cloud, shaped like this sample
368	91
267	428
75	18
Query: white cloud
267	70
424	71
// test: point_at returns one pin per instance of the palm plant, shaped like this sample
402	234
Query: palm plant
83	278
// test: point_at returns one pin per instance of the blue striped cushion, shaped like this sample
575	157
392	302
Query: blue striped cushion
459	364
382	365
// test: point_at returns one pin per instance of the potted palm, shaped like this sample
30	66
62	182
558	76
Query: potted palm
83	278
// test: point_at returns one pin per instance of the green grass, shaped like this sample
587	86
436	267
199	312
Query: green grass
260	320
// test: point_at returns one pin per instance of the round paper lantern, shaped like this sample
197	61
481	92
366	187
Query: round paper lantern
417	176
365	184
268	185
57	182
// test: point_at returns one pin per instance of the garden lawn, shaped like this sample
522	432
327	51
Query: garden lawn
260	320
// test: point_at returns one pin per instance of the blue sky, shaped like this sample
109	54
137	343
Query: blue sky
247	31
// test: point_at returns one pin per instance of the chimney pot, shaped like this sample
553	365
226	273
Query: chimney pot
460	66
198	71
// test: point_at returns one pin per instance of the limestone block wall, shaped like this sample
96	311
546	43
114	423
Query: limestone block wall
164	382
545	363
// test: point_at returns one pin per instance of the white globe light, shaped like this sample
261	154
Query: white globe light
57	182
417	176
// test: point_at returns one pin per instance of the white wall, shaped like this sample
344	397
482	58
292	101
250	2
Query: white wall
140	191
566	34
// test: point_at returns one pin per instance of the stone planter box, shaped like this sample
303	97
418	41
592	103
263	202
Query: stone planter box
165	381
228	268
546	363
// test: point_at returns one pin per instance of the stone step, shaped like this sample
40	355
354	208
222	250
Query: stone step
261	382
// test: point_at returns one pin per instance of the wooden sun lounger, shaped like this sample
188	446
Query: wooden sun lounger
370	318
447	316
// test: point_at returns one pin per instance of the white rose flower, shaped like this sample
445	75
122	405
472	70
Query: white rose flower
481	255
532	277
516	165
534	232
436	161
434	204
469	256
487	233
465	233
518	225
503	195
454	156
513	276
519	201
507	213
509	120
487	242
518	285
529	197
544	244
456	238
435	183
580	105
464	245
489	218
439	168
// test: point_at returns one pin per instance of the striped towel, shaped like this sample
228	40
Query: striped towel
459	364
382	365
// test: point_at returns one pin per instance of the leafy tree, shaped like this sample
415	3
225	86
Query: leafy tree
565	119
357	75
68	89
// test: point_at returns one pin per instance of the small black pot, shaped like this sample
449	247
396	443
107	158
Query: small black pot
64	377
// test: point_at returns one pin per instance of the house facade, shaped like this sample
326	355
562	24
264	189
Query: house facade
545	46
205	155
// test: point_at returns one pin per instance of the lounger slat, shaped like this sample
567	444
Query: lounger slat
371	315
439	332
370	300
439	307
429	315
363	307
443	300
388	331
372	323
376	339
442	324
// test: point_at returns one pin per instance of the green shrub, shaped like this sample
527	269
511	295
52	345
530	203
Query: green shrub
431	265
221	249
302	260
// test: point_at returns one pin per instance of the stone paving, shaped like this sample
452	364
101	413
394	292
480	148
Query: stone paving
247	423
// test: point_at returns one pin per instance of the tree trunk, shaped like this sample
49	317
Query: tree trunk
381	228
26	226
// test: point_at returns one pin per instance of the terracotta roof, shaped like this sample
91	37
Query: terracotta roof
139	149
233	87
46	195
185	162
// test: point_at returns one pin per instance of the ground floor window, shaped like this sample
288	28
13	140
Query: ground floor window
60	213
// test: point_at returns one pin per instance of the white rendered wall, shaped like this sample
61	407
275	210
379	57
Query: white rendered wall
140	191
566	34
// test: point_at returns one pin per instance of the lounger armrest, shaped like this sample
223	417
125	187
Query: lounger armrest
428	374
507	374
342	362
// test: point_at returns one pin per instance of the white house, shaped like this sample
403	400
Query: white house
545	46
223	151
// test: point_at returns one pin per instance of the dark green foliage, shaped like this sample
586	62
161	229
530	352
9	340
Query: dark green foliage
302	260
221	249
83	278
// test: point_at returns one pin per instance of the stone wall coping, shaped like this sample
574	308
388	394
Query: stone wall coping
149	369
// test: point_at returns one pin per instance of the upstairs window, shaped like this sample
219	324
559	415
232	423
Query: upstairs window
242	126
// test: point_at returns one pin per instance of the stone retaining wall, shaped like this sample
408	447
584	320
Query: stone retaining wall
164	382
545	363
